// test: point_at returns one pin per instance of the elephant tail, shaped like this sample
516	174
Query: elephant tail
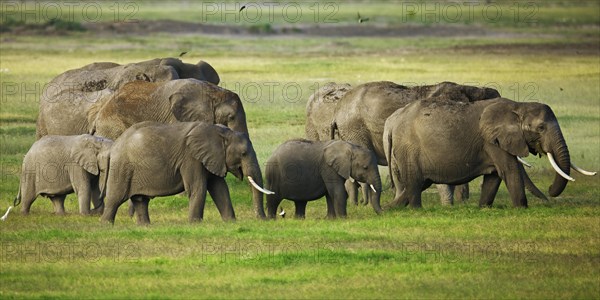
17	199
532	188
388	155
334	127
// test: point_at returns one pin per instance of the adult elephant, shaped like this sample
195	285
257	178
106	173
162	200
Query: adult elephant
360	114
66	100
439	140
153	159
182	100
320	110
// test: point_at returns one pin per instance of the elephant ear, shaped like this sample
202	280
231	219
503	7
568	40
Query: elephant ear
338	155
206	143
208	72
85	153
187	107
501	125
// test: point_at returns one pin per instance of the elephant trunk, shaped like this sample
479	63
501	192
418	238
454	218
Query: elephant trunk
375	200
560	152
254	175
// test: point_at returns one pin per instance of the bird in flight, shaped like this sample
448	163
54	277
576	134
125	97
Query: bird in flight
182	53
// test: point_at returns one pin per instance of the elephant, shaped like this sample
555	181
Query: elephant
180	100
360	114
56	166
65	100
320	110
152	159
303	170
437	140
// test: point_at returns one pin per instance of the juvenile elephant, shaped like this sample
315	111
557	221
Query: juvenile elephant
181	100
441	141
302	170
66	100
56	166
153	159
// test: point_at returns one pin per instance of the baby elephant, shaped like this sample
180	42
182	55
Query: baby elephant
153	159
302	170
56	166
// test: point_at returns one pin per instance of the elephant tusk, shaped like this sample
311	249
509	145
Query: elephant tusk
256	186
523	162
557	169
373	188
3	218
351	179
582	171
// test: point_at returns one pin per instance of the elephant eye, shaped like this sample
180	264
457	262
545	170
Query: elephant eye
541	128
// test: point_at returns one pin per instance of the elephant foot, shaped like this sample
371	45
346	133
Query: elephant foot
97	211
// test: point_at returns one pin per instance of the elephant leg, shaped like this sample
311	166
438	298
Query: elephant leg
446	193
84	195
131	210
366	195
217	187
300	209
141	209
58	201
399	199
340	198
330	208
462	192
97	202
352	190
516	188
27	201
414	197
489	188
110	209
273	201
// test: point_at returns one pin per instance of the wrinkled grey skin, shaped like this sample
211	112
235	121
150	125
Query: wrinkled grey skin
361	112
302	170
153	159
320	110
65	101
56	166
443	141
181	100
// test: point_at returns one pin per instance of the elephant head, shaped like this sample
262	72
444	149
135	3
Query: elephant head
200	100
523	128
92	153
355	163
228	151
201	71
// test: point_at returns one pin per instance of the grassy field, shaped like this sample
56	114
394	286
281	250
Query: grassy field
551	250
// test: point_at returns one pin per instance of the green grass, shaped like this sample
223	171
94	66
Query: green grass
550	250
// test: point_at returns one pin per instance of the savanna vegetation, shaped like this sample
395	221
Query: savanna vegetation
550	250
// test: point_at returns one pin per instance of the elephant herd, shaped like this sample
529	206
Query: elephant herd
112	133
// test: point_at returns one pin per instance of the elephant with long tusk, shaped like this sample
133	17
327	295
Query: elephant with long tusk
441	141
152	159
